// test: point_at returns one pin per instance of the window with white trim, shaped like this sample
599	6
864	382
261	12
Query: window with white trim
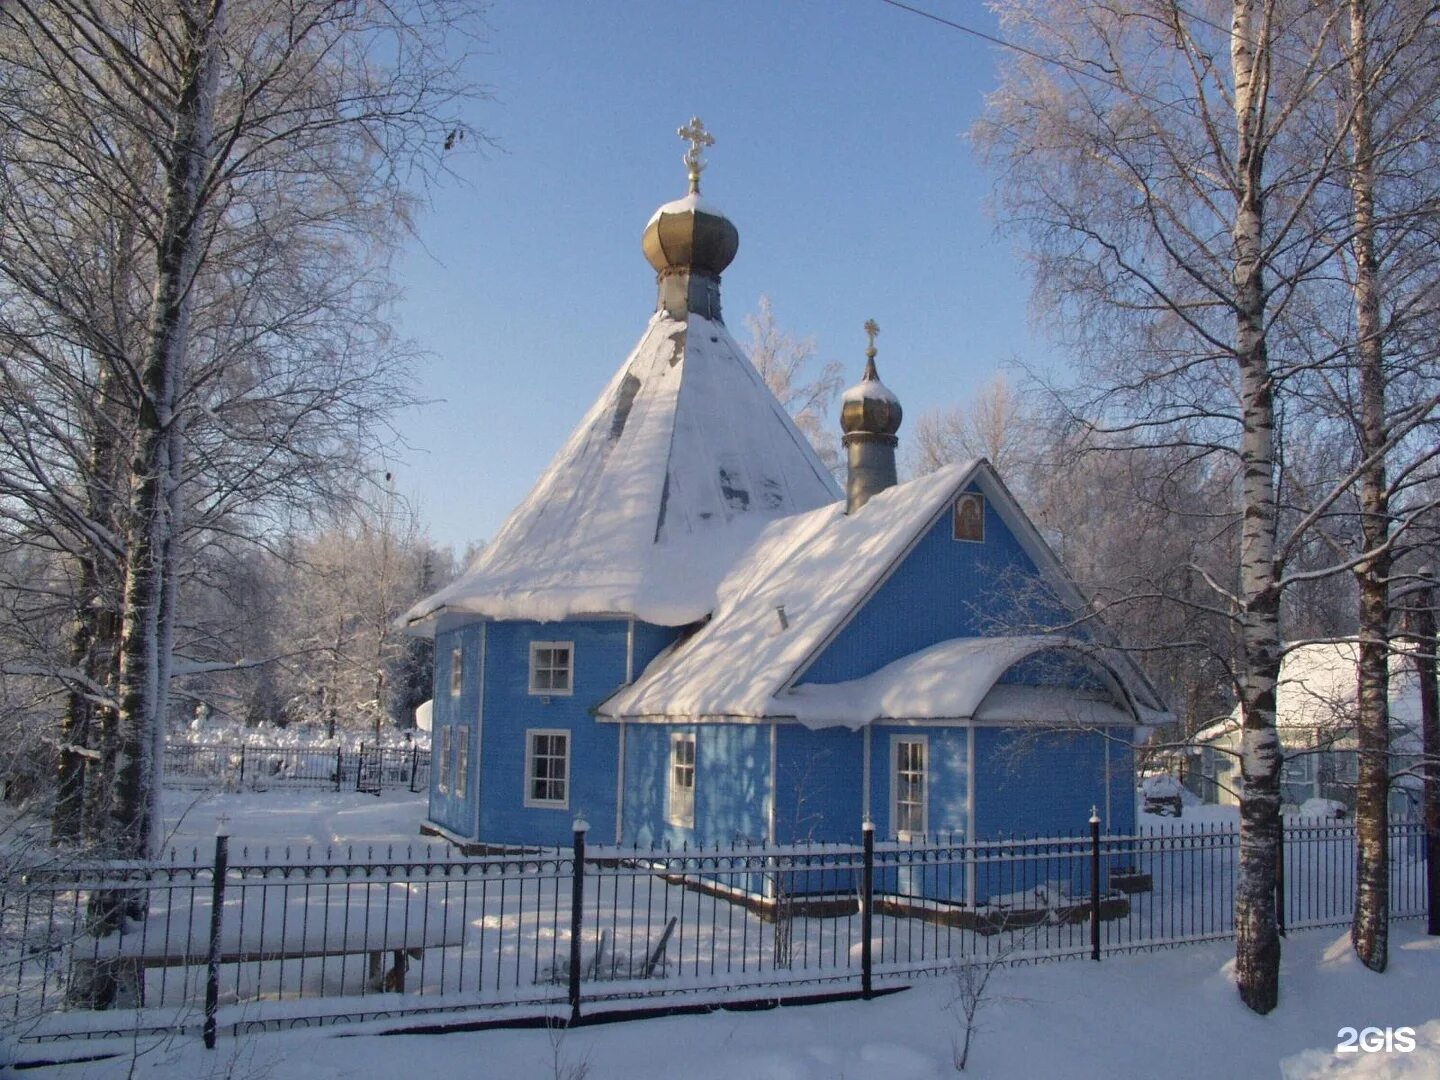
442	785
547	768
909	756
680	805
462	761
552	667
1299	768
457	671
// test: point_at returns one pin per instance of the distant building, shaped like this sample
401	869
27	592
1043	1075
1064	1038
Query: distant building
1315	708
686	634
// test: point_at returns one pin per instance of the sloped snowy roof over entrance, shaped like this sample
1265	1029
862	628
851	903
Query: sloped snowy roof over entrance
954	680
671	475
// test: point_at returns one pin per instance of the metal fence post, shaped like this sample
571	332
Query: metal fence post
217	907
359	766
577	904
414	767
339	769
241	785
1280	878
1094	883
867	899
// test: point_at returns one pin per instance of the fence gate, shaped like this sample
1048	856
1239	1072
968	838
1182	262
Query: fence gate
370	770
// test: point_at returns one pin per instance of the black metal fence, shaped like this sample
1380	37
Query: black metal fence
257	938
258	768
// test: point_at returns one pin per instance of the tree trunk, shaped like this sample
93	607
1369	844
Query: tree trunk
66	825
1422	631
1369	930
1257	938
141	695
82	772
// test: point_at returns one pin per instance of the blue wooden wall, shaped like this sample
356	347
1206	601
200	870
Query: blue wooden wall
732	784
944	589
450	810
1037	783
818	794
497	754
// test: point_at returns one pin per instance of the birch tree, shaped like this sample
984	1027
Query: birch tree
1387	105
1150	152
212	134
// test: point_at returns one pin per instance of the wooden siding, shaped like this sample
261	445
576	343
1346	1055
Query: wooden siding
1037	783
944	589
450	810
732	784
817	789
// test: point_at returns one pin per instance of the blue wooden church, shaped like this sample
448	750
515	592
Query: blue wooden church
688	633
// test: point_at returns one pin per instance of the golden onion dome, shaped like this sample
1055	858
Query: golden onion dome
870	407
690	234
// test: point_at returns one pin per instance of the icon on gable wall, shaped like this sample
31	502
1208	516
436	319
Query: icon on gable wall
970	517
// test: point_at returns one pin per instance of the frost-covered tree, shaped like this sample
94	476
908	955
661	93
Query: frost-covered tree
345	587
199	199
785	363
993	424
1152	157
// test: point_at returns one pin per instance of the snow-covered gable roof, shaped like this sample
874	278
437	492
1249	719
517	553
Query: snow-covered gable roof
821	567
1318	691
671	475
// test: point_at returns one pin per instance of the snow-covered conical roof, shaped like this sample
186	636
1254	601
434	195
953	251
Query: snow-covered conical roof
672	473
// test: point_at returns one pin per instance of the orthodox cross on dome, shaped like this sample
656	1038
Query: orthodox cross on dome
871	328
695	134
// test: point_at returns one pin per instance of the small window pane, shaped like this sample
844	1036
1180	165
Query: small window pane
551	668
548	768
908	786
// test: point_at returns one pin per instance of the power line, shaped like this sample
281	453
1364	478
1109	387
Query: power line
1074	69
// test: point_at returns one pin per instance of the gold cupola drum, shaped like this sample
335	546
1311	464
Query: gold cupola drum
870	415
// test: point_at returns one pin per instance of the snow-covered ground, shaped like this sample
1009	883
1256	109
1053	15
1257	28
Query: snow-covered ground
1171	1014
276	819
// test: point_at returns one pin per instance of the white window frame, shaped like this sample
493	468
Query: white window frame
680	798
457	671
896	741
535	647
1298	768
462	761
547	804
442	785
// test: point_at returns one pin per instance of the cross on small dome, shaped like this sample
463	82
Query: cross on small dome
695	134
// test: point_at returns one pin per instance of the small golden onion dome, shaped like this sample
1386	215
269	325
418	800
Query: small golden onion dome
870	407
690	234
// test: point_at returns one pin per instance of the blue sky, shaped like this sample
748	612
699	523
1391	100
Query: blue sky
840	156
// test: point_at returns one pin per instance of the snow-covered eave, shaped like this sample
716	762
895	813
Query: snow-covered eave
448	616
886	572
884	718
906	691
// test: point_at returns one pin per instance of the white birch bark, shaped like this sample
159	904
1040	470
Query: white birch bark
1257	951
1369	929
